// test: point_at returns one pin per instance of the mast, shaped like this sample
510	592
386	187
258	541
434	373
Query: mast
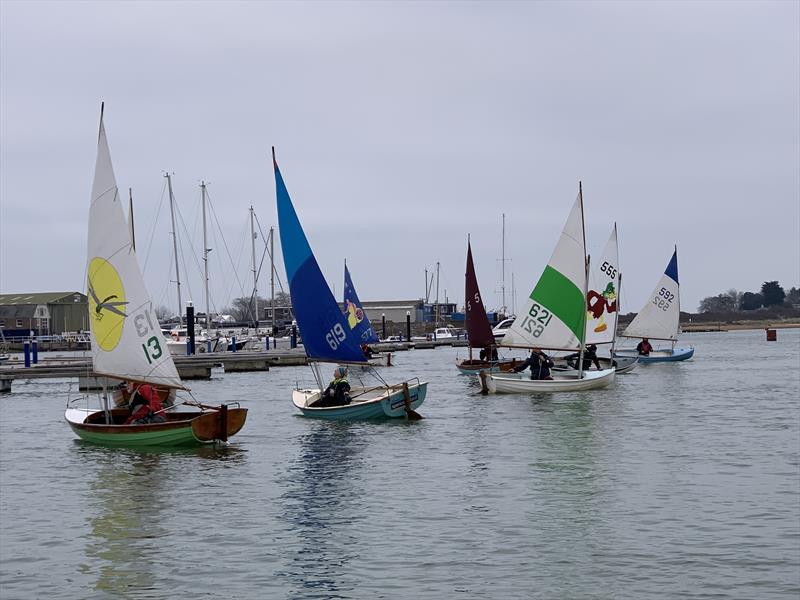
175	245
255	273
674	341
130	218
426	285
585	284
272	275
619	308
503	267
437	294
206	250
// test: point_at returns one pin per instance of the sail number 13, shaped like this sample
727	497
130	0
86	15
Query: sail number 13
536	320
335	336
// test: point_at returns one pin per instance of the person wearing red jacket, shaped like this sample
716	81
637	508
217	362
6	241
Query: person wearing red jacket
145	405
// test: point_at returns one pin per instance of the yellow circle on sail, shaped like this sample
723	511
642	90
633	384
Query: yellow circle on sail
107	305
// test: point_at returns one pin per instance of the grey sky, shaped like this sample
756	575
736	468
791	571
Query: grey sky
401	127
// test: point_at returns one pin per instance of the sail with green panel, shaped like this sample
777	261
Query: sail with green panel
555	313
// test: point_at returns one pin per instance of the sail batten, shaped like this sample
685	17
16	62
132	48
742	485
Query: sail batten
325	332
126	337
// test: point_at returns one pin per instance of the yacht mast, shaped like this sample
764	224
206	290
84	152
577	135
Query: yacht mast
255	273
503	267
437	293
130	219
206	250
272	276
175	245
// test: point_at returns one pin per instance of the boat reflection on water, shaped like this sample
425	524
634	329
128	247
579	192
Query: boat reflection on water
324	504
128	492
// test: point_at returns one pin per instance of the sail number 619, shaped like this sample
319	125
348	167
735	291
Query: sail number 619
335	336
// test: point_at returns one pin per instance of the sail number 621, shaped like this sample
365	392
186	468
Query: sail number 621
335	336
536	320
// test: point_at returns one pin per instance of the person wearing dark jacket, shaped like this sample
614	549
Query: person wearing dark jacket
539	363
337	393
644	348
589	357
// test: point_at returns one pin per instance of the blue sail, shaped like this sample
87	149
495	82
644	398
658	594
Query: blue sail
324	329
354	312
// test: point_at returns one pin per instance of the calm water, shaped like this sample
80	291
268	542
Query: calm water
680	481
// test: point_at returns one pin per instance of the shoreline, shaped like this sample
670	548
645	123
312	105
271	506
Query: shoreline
711	327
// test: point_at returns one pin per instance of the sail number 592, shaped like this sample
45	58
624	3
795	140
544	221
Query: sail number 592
536	320
663	299
335	336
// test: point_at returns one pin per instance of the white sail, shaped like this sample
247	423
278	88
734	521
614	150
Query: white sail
660	317
601	297
555	313
126	338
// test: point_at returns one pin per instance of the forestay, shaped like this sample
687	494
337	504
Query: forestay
555	313
126	338
602	295
659	318
325	331
354	313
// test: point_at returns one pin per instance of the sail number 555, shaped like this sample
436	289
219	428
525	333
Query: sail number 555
335	336
536	320
664	299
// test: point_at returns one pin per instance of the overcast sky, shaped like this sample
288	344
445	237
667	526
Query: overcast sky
402	127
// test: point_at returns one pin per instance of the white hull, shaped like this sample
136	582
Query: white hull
367	403
521	383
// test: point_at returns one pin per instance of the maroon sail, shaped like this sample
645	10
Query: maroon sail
478	328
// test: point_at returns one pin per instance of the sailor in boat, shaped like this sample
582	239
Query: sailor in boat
144	404
589	357
539	363
337	393
368	352
488	353
644	348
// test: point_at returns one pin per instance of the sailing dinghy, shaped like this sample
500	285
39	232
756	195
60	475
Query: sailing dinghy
327	336
555	318
479	331
659	319
359	322
126	339
602	305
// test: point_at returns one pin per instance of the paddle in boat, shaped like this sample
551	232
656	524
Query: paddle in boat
602	304
327	335
659	319
555	318
479	331
126	340
359	324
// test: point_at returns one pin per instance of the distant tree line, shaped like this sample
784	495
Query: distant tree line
771	295
241	309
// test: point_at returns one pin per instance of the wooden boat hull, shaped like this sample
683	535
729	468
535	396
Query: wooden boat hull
181	428
382	403
657	356
475	366
564	381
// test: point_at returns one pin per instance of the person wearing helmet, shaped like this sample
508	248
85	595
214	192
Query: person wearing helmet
337	393
589	357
